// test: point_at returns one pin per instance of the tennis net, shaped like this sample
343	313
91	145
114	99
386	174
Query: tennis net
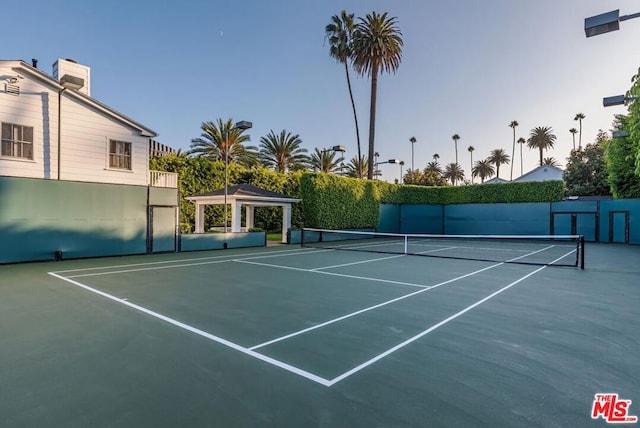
542	250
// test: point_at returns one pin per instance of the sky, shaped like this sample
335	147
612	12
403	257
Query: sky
468	68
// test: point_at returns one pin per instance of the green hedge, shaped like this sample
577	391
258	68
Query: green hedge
334	202
331	201
546	191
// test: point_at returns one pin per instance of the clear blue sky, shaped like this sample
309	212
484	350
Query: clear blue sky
468	67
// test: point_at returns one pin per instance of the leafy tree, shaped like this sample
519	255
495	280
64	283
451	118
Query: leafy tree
579	118
221	139
283	152
633	124
513	125
541	138
340	36
453	172
324	161
377	47
498	157
483	169
586	171
620	160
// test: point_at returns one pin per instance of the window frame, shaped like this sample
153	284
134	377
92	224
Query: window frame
119	156
15	142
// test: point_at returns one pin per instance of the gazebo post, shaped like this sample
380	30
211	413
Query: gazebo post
286	221
236	216
199	217
249	216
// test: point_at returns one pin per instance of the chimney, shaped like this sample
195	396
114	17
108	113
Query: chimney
34	62
68	70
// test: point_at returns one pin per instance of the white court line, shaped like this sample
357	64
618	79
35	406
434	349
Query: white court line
366	278
356	263
370	308
434	327
427	288
202	333
229	256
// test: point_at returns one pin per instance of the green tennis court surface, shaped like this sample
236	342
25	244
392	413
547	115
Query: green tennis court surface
297	337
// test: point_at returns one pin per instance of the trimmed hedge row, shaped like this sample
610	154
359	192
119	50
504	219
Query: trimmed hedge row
330	201
334	202
545	191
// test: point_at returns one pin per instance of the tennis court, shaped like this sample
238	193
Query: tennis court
292	336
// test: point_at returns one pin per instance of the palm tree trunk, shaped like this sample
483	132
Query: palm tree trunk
355	116
540	156
521	164
471	170
372	117
513	152
579	141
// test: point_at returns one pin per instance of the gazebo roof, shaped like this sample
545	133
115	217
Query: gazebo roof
246	192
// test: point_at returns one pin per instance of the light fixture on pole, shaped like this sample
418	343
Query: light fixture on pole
242	125
413	142
617	100
340	149
605	22
390	161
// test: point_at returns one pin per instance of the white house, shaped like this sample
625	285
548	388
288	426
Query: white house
542	173
53	129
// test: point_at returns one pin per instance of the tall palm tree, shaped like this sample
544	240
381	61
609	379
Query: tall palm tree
574	131
357	167
483	169
471	149
412	140
221	140
283	152
453	172
324	161
550	162
521	141
498	157
541	138
377	47
339	33
579	118
455	138
513	125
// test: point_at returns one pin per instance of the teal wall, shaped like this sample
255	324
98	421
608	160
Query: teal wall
588	218
39	217
216	241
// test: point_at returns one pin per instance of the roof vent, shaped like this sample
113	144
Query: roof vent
12	89
71	82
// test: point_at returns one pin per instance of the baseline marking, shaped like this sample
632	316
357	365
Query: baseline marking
199	332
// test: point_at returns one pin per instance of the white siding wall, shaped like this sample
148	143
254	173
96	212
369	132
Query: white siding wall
85	136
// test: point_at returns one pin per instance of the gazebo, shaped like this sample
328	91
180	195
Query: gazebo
244	195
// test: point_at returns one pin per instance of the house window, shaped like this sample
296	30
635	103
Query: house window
119	155
17	141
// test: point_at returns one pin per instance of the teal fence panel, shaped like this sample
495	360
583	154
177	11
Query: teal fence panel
497	219
41	217
163	229
620	221
217	241
389	218
422	219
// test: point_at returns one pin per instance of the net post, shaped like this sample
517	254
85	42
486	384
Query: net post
406	242
302	237
581	251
